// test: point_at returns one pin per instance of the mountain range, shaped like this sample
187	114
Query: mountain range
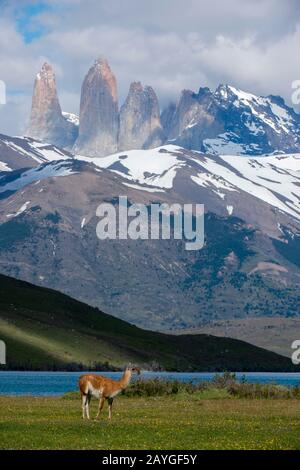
248	270
234	152
227	121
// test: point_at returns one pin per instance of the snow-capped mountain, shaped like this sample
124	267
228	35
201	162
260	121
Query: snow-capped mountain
230	121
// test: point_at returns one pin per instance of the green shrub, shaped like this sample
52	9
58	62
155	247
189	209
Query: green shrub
158	387
224	380
221	386
249	390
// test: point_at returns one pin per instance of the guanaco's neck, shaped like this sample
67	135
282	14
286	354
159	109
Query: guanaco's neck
125	380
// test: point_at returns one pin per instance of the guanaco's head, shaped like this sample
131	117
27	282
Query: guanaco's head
133	369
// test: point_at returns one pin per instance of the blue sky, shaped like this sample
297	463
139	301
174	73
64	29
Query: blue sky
168	44
25	16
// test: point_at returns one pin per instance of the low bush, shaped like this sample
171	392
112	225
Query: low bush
250	390
158	387
226	383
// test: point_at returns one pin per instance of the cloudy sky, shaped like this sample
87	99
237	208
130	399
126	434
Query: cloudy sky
169	44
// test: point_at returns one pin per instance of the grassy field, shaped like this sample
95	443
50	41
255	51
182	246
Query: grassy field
205	420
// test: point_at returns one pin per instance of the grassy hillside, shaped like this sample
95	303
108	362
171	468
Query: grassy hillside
44	329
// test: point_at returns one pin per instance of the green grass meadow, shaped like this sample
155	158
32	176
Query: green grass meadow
210	419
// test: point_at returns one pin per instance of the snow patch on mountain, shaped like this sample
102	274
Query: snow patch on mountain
275	179
22	209
48	153
229	209
143	188
71	117
227	143
34	175
155	167
4	167
207	179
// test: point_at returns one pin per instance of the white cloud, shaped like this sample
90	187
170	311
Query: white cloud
170	45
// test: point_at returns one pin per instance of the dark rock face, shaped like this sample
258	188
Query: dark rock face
230	121
47	122
140	126
166	118
99	119
196	118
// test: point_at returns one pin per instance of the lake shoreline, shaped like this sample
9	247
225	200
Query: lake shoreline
213	370
15	383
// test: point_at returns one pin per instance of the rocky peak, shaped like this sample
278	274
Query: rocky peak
46	73
99	120
223	92
47	122
136	87
140	125
102	67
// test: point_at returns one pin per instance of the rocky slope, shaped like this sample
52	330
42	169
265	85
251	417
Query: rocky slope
99	114
47	122
140	125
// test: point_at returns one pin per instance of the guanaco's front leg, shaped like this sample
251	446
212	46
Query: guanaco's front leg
87	406
101	404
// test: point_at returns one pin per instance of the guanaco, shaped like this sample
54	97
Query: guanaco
104	389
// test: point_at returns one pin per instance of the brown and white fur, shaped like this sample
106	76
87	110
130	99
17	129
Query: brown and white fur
102	388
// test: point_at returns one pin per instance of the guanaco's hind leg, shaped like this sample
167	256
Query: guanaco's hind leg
110	403
101	404
85	401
